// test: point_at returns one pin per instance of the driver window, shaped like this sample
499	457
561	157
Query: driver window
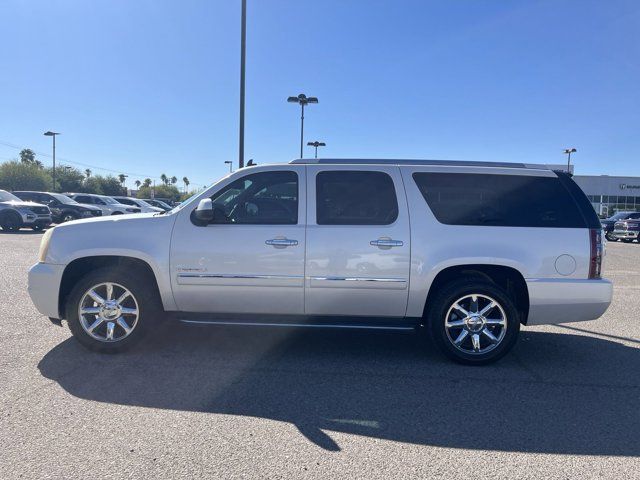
265	198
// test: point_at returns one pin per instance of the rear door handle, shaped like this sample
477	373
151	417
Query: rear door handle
281	242
386	243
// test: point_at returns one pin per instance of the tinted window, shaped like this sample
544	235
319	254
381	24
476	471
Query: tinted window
499	200
355	198
82	199
266	198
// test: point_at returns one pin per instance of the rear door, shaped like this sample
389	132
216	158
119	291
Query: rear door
358	256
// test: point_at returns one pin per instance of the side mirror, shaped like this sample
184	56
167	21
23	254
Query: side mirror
204	212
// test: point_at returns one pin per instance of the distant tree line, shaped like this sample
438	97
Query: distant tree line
28	173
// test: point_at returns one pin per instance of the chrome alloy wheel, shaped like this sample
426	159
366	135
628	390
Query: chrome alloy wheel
476	324
108	312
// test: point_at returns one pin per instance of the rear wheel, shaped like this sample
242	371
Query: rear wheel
473	321
109	310
10	221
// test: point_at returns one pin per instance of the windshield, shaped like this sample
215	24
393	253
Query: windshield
63	199
108	200
142	203
8	197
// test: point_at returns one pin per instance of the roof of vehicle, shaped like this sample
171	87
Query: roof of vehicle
452	163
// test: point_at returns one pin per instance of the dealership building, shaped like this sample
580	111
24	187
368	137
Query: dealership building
609	194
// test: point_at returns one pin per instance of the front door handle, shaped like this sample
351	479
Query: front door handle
386	243
281	242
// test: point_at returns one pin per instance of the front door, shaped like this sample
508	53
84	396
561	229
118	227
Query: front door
358	256
250	259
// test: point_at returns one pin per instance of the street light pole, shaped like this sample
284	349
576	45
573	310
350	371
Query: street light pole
568	152
302	100
49	133
243	49
230	163
316	144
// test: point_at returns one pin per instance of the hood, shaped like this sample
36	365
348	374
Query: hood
85	205
21	204
108	220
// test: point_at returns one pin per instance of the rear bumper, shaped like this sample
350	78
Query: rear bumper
563	300
44	286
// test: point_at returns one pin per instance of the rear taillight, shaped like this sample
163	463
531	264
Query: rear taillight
595	263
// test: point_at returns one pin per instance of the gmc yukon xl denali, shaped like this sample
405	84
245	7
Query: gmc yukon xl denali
468	251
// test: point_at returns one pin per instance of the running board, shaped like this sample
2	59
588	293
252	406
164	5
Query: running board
402	328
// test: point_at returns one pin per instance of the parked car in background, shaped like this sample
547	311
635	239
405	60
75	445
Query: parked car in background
16	213
107	204
627	230
136	202
608	224
453	247
158	203
63	209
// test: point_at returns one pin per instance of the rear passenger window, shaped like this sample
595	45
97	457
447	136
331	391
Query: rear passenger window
499	200
355	198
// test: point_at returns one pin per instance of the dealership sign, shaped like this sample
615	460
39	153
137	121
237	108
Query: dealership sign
624	186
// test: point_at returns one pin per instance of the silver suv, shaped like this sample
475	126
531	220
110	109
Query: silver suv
16	213
467	251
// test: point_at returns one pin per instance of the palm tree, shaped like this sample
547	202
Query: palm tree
164	179
87	172
138	183
147	182
174	180
185	180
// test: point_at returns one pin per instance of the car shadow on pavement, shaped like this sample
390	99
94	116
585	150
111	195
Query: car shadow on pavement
555	393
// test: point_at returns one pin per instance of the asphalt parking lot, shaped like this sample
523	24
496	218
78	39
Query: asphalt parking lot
270	403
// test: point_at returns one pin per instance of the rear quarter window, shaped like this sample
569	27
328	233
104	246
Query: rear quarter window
499	200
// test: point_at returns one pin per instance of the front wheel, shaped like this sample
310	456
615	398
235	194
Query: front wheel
37	228
109	310
610	237
10	221
473	321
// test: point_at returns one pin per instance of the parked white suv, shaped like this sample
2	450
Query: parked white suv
467	250
136	202
108	205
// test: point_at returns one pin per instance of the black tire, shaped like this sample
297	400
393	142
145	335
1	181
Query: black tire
145	296
627	240
610	237
444	300
10	221
37	228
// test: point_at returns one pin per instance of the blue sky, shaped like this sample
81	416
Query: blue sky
150	87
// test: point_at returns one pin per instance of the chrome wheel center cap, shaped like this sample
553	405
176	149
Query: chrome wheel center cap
474	323
110	310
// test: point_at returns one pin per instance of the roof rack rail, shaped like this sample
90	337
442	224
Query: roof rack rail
454	163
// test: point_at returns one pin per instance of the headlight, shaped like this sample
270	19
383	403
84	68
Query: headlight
44	245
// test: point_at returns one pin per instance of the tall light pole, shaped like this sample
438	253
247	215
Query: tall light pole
316	144
230	163
303	100
243	50
568	152
49	133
